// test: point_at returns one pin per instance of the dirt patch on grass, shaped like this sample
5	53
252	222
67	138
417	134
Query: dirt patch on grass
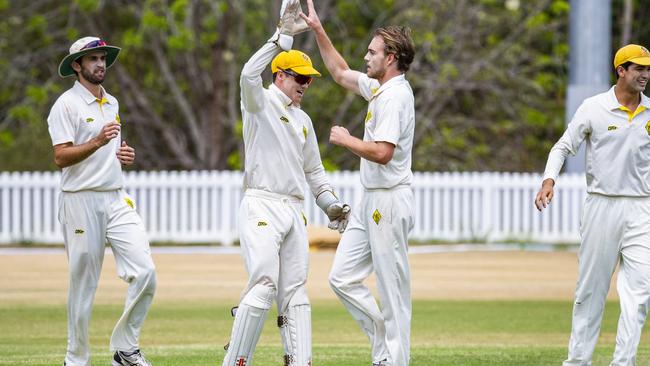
221	277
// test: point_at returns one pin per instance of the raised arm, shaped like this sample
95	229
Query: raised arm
252	88
334	62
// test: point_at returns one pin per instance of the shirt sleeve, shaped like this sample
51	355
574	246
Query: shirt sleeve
61	123
367	86
252	89
569	143
313	166
389	121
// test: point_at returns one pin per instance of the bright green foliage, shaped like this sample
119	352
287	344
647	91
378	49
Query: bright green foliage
489	76
87	6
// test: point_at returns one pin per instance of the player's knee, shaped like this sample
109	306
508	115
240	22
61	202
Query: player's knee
150	278
261	296
337	283
296	298
146	279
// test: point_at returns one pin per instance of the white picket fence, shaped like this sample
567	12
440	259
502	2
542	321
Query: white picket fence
201	206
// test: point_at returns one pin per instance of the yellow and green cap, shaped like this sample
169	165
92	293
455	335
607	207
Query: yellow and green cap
294	60
632	53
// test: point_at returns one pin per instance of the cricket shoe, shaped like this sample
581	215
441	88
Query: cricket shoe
129	359
383	362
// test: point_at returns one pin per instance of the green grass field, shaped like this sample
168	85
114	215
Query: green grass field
445	332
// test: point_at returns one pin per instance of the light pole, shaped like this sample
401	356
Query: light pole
590	56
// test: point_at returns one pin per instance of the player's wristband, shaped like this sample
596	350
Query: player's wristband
284	41
325	199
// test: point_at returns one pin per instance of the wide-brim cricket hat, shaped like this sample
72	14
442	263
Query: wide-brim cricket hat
294	60
632	53
83	46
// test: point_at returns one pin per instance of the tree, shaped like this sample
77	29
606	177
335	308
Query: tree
489	77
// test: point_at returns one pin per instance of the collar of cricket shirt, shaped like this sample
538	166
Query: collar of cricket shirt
286	101
89	98
396	80
613	103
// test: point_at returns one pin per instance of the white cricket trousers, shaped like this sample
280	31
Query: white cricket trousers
273	239
90	219
377	239
613	230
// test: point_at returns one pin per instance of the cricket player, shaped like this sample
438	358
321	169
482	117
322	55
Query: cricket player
377	236
615	226
84	125
281	154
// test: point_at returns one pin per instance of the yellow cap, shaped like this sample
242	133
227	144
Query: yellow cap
294	60
632	53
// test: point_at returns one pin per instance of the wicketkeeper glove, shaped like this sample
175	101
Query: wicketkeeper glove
290	23
298	25
337	212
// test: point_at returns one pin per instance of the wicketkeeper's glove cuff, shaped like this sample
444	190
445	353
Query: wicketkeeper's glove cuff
325	199
336	211
284	41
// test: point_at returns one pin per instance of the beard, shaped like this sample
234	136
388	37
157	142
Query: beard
375	74
91	77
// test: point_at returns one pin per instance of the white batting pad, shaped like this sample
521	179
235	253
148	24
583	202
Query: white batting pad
246	331
295	329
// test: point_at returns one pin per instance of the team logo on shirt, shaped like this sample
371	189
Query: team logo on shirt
262	223
647	127
368	116
129	202
79	231
284	119
614	127
376	216
89	119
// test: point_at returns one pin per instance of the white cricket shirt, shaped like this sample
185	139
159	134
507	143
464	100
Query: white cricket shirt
279	140
390	118
77	116
618	146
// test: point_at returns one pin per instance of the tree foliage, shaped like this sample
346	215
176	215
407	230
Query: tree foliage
489	77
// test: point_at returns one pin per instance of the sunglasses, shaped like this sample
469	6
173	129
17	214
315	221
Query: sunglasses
93	44
300	79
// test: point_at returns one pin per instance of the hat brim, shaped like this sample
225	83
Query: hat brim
65	67
643	61
306	70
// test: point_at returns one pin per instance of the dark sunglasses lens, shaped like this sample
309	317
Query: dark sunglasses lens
303	79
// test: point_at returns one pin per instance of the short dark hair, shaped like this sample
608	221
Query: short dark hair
398	41
624	65
77	60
